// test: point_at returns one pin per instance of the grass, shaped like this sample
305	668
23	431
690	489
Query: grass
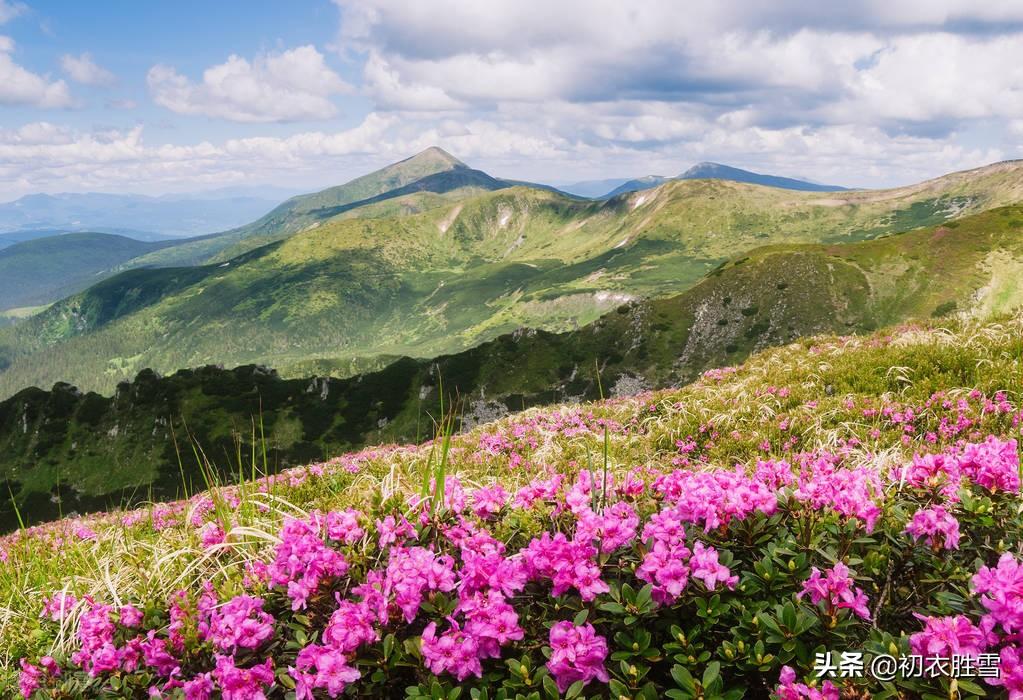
812	393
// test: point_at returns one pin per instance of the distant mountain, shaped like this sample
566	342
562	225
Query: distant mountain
716	171
137	216
41	270
702	171
425	180
640	183
109	448
593	189
379	280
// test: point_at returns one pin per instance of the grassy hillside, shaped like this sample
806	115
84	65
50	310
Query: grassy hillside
433	171
773	296
801	459
418	274
42	270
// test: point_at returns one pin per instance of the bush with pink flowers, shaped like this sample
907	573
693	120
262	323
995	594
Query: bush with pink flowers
646	550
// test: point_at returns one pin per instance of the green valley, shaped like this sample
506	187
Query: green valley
92	450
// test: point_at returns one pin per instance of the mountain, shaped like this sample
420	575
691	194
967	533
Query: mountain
336	297
42	270
137	216
593	189
716	171
640	183
703	171
101	449
427	179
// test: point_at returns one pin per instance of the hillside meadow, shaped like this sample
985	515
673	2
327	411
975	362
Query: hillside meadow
837	494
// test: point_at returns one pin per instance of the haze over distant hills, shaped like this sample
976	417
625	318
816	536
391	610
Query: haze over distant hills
137	216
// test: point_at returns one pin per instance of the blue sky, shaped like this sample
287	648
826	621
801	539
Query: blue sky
168	97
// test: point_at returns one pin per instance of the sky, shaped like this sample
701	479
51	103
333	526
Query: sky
164	97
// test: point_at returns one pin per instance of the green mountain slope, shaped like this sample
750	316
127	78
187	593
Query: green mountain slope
334	297
433	171
98	448
41	270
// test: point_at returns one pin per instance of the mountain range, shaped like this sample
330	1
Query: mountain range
430	256
92	451
605	189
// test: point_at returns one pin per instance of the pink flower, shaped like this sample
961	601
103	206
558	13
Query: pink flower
949	636
488	502
212	534
130	616
836	590
243	683
350	627
993	464
58	606
304	561
241	623
344	526
1001	589
322	667
788	689
453	652
414	571
567	563
577	654
199	688
932	522
394	532
704	566
1010	669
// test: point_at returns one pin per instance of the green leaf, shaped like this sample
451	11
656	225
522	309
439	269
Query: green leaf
580	617
711	673
551	688
574	690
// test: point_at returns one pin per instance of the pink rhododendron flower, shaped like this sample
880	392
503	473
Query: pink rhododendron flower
303	560
241	624
993	464
319	667
1001	591
130	616
836	590
577	654
243	683
488	502
789	689
567	563
413	572
704	565
452	652
948	636
343	526
935	524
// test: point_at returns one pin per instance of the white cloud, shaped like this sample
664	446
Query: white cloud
10	10
83	69
278	87
19	86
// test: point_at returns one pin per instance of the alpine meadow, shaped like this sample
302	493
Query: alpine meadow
356	350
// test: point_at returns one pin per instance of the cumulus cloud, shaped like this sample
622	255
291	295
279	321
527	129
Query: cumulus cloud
19	86
83	69
276	87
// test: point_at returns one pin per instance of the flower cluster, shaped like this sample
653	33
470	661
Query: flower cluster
577	654
936	524
836	589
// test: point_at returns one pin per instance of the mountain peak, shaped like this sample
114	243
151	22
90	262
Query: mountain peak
436	157
708	170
